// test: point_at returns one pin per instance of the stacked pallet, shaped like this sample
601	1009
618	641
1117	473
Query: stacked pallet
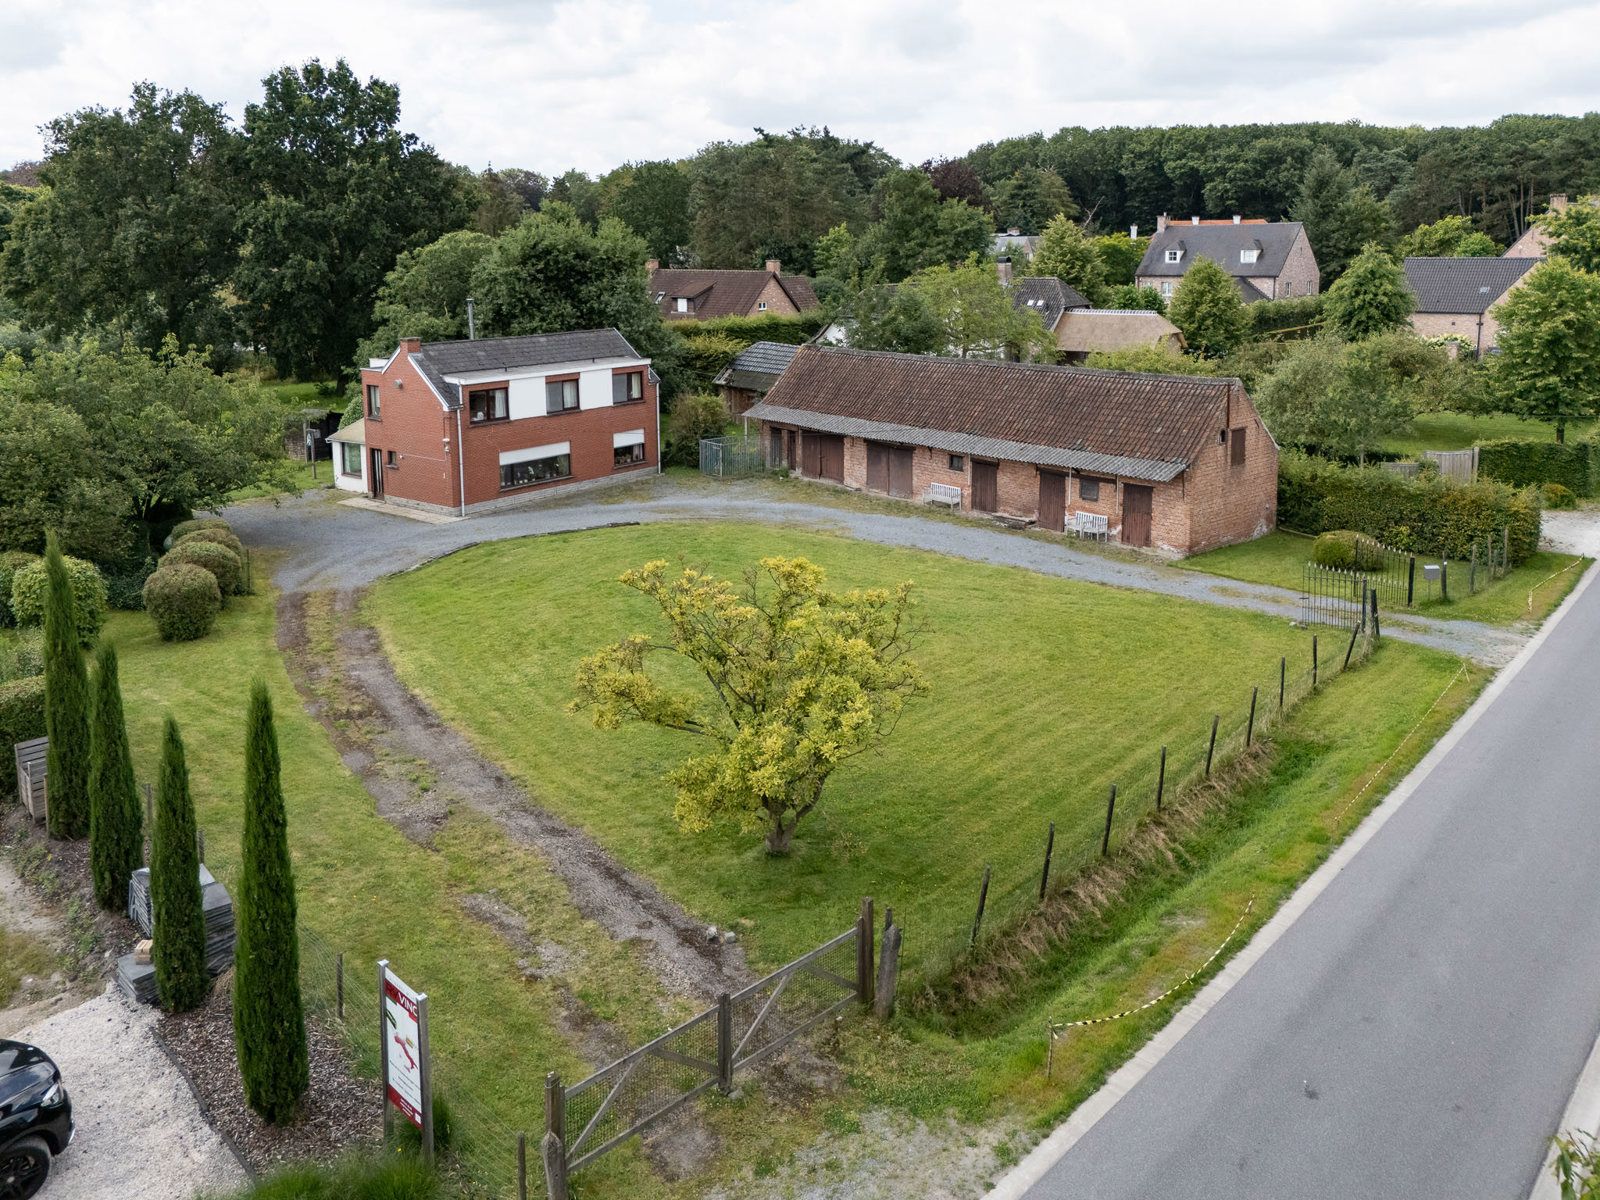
136	980
214	902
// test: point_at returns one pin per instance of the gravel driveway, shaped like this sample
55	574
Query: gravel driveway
332	545
140	1133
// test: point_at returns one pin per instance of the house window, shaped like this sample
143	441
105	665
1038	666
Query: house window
535	470
350	458
681	303
627	387
1236	446
1088	489
561	395
761	306
489	404
1248	256
374	403
1174	256
1285	289
391	460
1166	290
627	456
957	463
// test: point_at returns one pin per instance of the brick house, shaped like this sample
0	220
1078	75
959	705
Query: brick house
470	426
1456	296
751	374
1535	242
1267	259
1176	463
1078	327
684	294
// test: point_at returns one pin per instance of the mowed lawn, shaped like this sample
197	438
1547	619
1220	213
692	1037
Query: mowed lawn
1043	691
1457	431
1530	592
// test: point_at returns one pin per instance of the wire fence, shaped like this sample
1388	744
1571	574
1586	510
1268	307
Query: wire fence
735	455
1146	783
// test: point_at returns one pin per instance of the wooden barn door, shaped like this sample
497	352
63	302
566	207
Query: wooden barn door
1052	501
985	486
775	450
1137	502
789	458
877	467
831	457
900	471
811	455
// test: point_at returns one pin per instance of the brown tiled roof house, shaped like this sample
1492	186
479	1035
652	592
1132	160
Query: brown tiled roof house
689	293
1176	463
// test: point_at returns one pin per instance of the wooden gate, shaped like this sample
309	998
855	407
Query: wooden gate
824	456
985	486
1137	502
1052	501
877	467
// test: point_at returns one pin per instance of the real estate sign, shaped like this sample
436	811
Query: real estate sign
404	1047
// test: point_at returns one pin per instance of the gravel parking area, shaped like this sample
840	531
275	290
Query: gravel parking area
140	1133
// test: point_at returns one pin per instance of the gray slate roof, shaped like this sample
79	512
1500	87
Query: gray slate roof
1463	285
465	356
1222	243
757	367
1047	296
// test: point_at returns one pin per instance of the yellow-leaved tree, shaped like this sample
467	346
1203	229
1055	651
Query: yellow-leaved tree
797	679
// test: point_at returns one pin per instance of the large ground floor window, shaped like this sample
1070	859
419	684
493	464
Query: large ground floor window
350	458
535	470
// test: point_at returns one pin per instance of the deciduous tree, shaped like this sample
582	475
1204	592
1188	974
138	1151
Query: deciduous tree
1029	198
66	703
652	199
1548	367
1207	308
1371	297
426	294
1065	252
1575	233
1452	236
975	314
178	947
116	833
797	680
268	1016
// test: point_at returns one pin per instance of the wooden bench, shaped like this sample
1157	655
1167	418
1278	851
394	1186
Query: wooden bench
1094	525
946	494
32	786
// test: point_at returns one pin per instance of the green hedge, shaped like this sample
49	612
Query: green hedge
29	585
183	599
21	720
227	566
1293	314
1427	516
11	561
1574	465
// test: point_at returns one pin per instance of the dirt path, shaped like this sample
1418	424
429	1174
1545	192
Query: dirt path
397	727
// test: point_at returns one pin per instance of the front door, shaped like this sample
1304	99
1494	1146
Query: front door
376	473
1052	501
985	486
900	471
1137	502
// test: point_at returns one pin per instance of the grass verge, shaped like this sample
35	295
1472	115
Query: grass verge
1457	431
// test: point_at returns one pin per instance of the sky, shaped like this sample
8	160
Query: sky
552	84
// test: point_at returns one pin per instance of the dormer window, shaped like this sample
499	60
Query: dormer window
1250	255
1174	256
681	303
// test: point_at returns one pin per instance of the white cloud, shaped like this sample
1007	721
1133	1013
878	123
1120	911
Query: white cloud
555	83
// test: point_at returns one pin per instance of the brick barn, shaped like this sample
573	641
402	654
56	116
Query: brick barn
1179	464
470	426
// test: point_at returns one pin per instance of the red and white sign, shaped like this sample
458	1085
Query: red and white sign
402	1040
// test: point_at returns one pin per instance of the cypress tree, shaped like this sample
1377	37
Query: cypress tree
66	703
269	1026
116	838
179	952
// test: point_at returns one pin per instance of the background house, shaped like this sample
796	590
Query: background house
692	294
1535	242
1079	328
473	425
752	373
1177	463
1267	259
1455	296
1013	243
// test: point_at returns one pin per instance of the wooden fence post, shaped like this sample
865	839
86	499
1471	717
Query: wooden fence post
725	1043
338	984
1049	848
1411	580
865	931
522	1166
1211	749
1351	648
555	1167
200	844
1444	578
888	974
149	819
1505	547
1111	808
1250	727
1377	632
1472	569
1161	778
983	899
1313	662
1283	677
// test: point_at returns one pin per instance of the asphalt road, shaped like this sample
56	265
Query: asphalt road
1419	1029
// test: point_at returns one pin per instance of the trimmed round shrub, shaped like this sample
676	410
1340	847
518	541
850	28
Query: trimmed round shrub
193	523
88	596
219	560
11	562
184	600
1558	495
221	537
1347	550
21	657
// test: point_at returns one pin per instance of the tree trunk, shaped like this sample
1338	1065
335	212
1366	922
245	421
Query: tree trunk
1561	432
778	839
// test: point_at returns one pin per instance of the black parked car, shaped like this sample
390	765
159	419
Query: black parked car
35	1119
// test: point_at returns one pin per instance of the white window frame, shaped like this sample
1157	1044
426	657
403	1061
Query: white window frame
1249	255
680	304
1174	256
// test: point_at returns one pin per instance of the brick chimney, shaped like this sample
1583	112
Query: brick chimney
1133	232
1161	223
774	267
1236	218
652	265
410	345
1558	202
1003	267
